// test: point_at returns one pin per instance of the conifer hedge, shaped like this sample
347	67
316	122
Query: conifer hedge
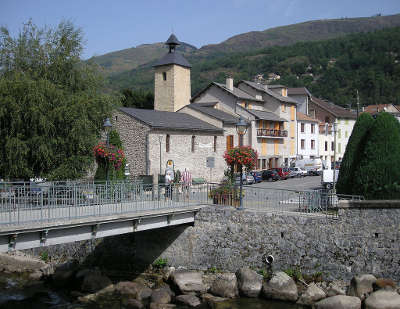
352	156
377	176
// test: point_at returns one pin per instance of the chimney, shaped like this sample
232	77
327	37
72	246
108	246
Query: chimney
229	83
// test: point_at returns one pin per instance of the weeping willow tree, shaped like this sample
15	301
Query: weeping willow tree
51	109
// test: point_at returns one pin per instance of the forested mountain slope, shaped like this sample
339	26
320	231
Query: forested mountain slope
332	69
131	58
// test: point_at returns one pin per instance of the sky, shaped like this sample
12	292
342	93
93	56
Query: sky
111	25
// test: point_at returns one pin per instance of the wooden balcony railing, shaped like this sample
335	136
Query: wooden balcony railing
272	133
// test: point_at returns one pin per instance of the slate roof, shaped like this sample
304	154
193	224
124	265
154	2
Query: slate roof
261	88
336	110
304	117
173	40
169	120
265	115
298	91
215	113
236	92
173	58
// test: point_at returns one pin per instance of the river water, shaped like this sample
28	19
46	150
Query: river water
17	292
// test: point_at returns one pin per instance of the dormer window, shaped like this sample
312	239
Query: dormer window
164	75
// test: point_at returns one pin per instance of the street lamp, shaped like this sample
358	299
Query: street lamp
241	128
107	127
160	138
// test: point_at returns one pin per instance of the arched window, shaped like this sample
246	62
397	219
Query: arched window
193	142
167	141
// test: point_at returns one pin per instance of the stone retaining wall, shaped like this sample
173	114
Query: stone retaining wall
363	239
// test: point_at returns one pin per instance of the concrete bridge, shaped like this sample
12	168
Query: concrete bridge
33	216
55	214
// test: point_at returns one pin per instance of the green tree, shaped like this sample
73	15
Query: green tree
352	156
137	99
378	173
51	110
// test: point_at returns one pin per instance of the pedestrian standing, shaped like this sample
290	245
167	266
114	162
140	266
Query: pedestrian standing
186	180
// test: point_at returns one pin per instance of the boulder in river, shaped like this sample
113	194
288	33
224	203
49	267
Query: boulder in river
281	287
188	300
311	295
189	281
225	285
361	286
249	282
339	301
383	299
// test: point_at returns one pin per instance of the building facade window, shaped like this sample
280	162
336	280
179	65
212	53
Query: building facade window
302	144
167	143
264	164
326	146
215	144
333	146
339	147
312	128
283	107
302	127
312	144
229	142
164	75
193	143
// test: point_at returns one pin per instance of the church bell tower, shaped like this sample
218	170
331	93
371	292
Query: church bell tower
171	80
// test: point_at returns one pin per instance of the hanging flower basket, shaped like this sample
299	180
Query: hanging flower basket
109	155
241	156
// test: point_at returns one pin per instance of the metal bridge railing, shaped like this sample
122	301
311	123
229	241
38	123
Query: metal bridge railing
279	200
26	202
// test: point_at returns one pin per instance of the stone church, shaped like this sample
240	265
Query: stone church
172	134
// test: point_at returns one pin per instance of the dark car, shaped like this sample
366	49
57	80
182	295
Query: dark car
281	172
270	175
257	176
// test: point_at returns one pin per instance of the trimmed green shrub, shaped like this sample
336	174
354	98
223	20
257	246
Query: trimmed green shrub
352	156
377	176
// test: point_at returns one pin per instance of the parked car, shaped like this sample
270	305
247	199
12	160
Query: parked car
281	172
270	175
257	176
247	179
298	172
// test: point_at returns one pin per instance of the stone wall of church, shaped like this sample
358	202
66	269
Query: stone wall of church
133	135
180	152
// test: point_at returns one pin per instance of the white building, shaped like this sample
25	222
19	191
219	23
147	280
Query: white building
307	137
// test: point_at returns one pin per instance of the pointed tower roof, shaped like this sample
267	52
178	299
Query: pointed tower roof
173	57
172	40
